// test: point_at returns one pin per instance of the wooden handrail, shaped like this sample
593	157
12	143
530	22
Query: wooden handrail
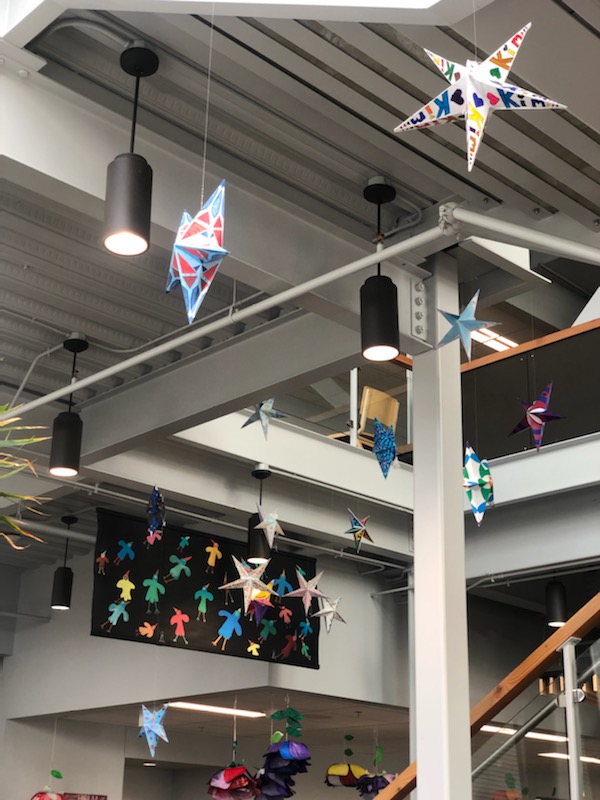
510	687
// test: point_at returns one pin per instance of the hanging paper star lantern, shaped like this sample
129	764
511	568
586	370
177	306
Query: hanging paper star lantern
249	580
358	529
384	446
477	89
269	525
536	416
329	612
308	590
152	727
464	324
264	412
198	251
478	483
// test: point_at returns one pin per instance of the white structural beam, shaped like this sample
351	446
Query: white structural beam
224	484
441	662
245	371
297	451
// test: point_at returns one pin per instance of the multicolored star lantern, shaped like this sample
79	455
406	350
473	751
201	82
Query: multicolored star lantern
329	612
264	412
269	525
358	529
536	416
152	727
464	324
249	580
384	446
478	483
307	591
477	89
198	251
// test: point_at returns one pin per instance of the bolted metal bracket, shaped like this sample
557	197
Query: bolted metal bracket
578	697
418	310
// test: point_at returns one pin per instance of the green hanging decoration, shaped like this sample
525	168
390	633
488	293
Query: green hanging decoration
293	721
378	756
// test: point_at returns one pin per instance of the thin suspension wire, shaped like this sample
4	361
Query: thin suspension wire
379	235
73	374
66	548
475	30
208	80
135	110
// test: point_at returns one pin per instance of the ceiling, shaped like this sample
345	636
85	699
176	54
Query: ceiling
304	110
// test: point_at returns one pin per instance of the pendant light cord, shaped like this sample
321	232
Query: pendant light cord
73	374
66	548
379	236
260	492
135	110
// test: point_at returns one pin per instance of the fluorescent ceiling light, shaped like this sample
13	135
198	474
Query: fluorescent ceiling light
149	764
565	757
544	737
235	712
492	340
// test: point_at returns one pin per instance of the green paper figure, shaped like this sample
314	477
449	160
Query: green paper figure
154	589
203	595
118	612
267	629
179	566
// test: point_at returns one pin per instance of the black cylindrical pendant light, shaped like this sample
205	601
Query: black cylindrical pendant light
379	332
127	205
66	445
129	177
380	336
258	547
67	428
556	604
63	577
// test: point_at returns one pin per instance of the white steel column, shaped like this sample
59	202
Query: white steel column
354	407
442	677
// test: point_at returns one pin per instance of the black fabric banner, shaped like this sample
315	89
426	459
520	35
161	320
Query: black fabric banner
167	593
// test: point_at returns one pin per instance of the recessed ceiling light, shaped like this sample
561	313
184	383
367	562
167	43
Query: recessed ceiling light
235	712
565	757
149	763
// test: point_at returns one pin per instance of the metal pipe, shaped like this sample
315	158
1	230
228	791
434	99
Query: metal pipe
354	407
23	383
286	296
516	737
572	698
536	240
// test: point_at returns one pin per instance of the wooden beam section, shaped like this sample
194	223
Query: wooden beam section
587	618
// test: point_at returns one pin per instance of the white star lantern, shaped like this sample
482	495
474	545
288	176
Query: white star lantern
476	90
308	590
249	580
329	612
269	525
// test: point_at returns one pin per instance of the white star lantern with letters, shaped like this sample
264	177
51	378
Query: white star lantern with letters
249	580
476	89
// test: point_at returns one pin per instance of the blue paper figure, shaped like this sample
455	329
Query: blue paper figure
230	627
126	551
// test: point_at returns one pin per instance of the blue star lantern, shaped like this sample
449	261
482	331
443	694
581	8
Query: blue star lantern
264	412
384	446
464	324
152	727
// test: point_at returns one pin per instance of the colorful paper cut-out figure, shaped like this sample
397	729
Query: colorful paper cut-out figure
305	628
536	416
478	483
204	596
214	554
464	324
118	612
228	596
178	620
384	446
282	585
154	589
179	566
253	647
102	561
307	591
147	630
358	529
290	647
477	89
230	627
152	727
126	551
126	587
184	542
264	412
304	650
259	606
198	251
268	629
285	614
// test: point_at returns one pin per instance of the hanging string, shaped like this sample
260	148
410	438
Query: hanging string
475	30
208	79
234	743
476	411
53	748
135	110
